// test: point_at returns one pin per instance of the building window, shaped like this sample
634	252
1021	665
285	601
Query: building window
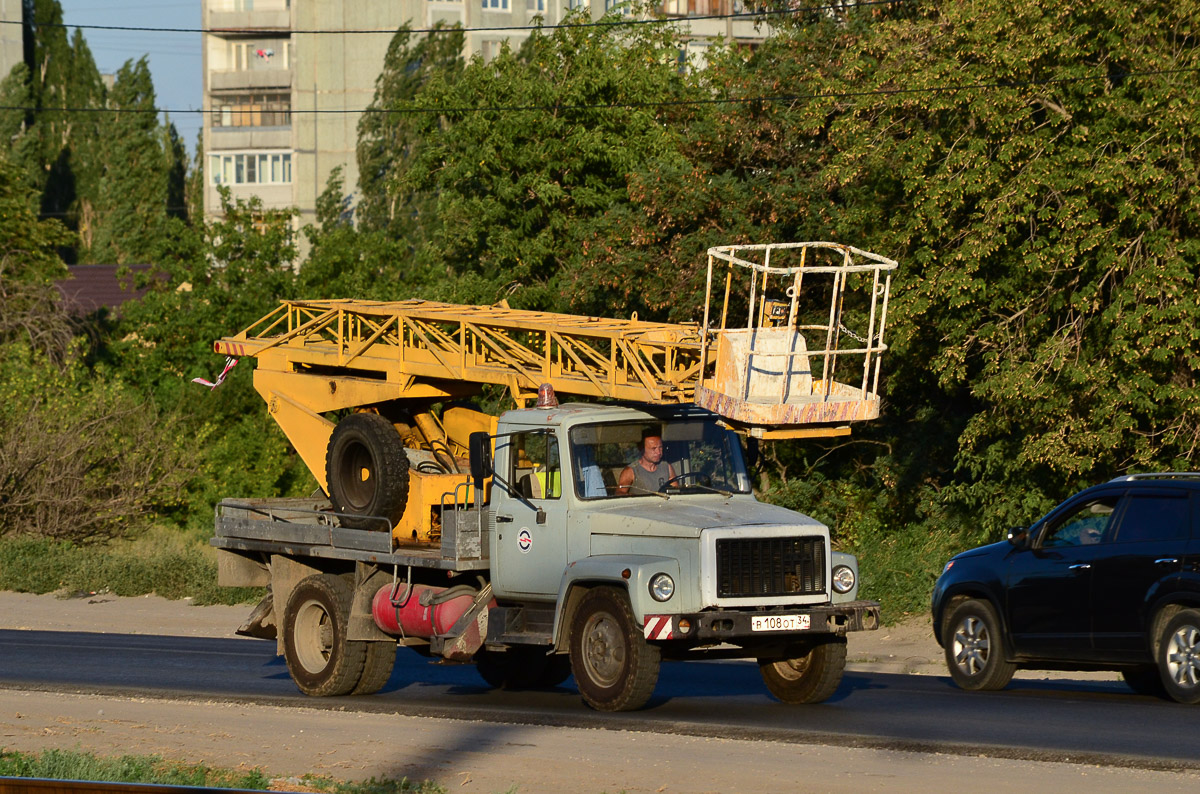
538	6
250	168
495	5
269	109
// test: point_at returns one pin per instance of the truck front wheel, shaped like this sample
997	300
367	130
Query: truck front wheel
810	678
367	469
321	660
614	667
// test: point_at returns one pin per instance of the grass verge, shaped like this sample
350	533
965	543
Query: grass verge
76	765
169	563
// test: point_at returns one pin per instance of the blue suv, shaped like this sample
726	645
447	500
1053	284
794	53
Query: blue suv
1108	580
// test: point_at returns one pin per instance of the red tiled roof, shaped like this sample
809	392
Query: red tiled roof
90	287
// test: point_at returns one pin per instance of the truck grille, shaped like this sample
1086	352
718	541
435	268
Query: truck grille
749	567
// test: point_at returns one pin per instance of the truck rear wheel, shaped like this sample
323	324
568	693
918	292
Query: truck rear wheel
810	678
377	667
321	660
367	470
614	667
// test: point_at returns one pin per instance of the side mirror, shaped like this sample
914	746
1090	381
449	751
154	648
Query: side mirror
480	451
1019	537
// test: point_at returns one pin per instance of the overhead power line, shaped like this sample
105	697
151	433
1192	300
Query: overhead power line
996	85
764	15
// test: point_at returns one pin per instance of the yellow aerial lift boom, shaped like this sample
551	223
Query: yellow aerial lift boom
790	346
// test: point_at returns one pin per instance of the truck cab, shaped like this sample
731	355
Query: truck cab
701	567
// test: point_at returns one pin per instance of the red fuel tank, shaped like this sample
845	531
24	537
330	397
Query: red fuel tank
416	612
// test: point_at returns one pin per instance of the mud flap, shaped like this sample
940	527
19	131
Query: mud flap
261	622
467	634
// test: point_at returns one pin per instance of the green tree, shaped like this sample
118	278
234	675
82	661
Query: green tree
363	263
1034	170
80	458
29	264
526	152
54	145
214	279
389	134
139	177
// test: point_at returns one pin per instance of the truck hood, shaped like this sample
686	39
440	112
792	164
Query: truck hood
686	518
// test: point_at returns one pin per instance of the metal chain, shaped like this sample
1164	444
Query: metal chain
848	332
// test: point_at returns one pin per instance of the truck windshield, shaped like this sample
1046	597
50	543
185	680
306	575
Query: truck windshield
644	458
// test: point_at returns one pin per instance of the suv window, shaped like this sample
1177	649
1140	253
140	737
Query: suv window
1154	517
1087	524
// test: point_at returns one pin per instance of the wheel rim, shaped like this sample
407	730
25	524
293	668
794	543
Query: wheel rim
1183	657
972	644
603	649
358	475
313	636
795	668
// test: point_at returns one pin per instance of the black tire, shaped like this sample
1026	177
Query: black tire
377	668
367	470
614	667
811	678
1179	656
975	652
322	661
1145	680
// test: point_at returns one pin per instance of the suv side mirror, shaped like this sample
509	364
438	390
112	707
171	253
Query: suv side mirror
1019	537
480	451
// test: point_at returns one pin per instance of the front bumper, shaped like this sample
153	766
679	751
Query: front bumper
736	625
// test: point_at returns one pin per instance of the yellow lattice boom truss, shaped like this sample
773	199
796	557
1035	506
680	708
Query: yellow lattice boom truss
790	347
412	344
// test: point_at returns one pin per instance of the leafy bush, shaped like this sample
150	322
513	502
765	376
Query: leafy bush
80	459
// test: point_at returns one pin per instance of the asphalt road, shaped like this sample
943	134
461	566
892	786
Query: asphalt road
1089	722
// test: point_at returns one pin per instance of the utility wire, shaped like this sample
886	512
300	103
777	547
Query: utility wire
997	85
500	29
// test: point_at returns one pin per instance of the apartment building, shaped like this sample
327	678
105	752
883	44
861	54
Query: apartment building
283	78
12	42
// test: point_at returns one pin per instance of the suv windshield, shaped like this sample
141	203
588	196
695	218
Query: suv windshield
645	457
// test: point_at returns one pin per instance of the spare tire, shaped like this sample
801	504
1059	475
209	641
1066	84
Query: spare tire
367	469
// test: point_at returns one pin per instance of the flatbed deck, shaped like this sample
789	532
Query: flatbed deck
308	528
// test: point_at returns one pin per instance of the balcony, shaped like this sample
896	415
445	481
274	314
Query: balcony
269	20
249	78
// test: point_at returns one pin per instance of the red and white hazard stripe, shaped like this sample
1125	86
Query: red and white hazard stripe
657	627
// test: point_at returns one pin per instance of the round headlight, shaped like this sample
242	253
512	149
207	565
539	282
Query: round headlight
662	587
843	579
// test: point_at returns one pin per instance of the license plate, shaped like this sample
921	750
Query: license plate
779	623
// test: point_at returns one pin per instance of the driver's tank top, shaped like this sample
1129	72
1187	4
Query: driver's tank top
644	481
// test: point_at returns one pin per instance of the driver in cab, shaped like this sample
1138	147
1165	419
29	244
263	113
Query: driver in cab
647	474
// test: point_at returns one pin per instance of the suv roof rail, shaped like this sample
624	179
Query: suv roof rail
1162	475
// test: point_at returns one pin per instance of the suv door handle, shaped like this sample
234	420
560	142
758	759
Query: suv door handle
502	519
1166	561
1079	566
